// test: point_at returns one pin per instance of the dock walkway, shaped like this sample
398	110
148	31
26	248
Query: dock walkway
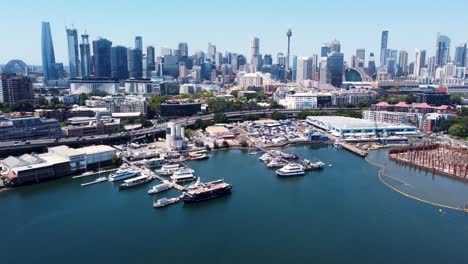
353	149
163	180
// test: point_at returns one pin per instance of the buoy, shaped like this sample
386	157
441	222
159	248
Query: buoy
440	210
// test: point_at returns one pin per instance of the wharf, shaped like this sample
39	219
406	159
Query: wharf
163	180
92	174
353	149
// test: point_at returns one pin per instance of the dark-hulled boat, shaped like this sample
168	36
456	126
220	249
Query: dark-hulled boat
207	191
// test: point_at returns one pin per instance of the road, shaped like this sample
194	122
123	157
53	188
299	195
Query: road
159	128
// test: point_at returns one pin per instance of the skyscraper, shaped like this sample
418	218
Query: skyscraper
460	55
371	68
73	54
294	68
119	66
85	52
360	57
211	52
419	62
267	59
402	63
324	50
135	63
335	46
255	57
335	68
48	55
15	88
150	60
304	69
102	58
183	48
383	48
442	50
139	43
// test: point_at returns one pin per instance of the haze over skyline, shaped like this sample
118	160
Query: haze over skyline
230	26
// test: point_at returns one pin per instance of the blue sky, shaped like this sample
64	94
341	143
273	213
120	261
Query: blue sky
231	24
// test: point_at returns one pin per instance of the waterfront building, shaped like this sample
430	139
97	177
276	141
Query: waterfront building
73	53
102	58
48	55
119	63
85	53
15	88
93	126
29	127
353	127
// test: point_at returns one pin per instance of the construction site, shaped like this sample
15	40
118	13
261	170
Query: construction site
445	159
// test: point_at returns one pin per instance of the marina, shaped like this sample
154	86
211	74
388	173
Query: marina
258	196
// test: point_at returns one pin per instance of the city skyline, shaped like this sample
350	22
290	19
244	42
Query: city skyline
305	41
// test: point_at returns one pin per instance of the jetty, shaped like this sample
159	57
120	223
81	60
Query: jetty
353	149
163	180
91	173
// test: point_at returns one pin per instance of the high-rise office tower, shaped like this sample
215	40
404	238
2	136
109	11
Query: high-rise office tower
335	46
254	47
139	43
165	51
48	55
102	58
150	60
183	48
294	68
288	34
371	68
442	50
431	66
73	53
304	69
402	63
460	55
119	66
419	61
335	68
315	61
211	53
135	63
383	48
325	49
85	52
267	59
323	78
360	58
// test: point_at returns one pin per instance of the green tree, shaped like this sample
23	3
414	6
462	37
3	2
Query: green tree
215	145
220	118
243	144
188	133
83	98
458	130
275	105
455	98
304	114
115	159
251	117
278	116
235	93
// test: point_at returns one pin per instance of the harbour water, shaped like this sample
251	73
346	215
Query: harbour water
341	214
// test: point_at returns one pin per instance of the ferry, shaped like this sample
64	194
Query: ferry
122	174
155	163
160	188
165	201
291	169
183	175
135	182
168	169
198	156
207	191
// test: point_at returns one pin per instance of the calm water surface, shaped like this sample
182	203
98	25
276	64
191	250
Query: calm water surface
342	214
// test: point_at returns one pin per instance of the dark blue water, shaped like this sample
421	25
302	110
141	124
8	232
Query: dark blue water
342	214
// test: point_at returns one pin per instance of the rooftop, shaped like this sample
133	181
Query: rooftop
341	122
96	149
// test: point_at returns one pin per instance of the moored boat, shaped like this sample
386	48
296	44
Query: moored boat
291	169
160	188
165	202
207	191
133	182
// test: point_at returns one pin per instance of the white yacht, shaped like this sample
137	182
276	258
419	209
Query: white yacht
168	169
183	175
122	174
276	163
135	182
160	188
291	169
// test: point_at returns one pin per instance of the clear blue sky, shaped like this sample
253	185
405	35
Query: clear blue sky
231	24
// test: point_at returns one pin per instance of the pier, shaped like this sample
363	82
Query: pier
163	180
444	159
353	149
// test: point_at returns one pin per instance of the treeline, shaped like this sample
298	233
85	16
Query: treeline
457	127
